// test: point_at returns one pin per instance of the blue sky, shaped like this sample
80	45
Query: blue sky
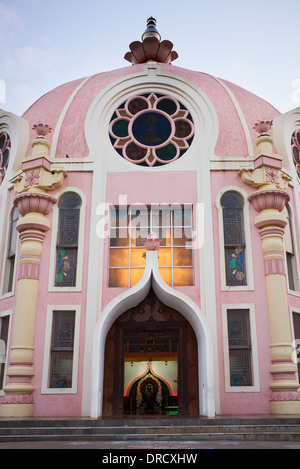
253	44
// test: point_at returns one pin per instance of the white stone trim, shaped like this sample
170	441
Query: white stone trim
62	116
52	266
47	346
197	158
241	116
297	311
295	239
4	314
6	239
172	298
248	251
18	130
254	349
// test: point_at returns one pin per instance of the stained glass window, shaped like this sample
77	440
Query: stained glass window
129	228
151	130
11	252
295	142
5	146
67	240
4	327
62	348
290	251
234	239
239	342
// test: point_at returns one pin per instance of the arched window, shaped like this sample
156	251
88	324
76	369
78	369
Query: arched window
290	251
234	239
67	240
11	252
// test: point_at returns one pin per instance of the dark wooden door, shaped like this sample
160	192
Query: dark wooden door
151	320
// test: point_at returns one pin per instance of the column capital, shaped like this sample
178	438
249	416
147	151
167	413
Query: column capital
39	175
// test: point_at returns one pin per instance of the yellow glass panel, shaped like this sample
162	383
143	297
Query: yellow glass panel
183	277
119	237
164	234
166	275
182	256
118	278
135	276
182	236
164	257
119	257
138	235
138	257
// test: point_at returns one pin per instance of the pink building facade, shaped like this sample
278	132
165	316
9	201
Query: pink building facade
97	322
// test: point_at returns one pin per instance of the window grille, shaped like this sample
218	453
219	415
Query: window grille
239	341
234	239
11	252
62	349
129	228
67	240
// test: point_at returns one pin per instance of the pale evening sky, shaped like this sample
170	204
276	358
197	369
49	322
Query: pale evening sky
253	44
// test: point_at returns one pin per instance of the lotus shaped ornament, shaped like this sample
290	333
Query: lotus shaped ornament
263	126
42	130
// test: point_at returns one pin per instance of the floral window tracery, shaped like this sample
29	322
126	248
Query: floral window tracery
67	240
5	145
295	142
151	130
234	239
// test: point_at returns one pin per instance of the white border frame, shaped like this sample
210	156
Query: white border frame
172	298
47	346
3	315
52	267
4	258
254	349
106	160
296	255
296	311
248	250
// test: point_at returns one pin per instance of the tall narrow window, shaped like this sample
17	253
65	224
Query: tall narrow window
129	228
239	341
234	239
296	323
290	251
11	252
4	324
67	240
62	349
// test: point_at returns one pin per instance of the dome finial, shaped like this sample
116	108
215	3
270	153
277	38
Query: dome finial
151	30
151	49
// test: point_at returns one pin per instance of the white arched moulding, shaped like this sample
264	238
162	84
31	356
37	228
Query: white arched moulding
172	298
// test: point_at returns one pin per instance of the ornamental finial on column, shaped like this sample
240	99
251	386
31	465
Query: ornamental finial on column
266	172
42	130
263	126
39	174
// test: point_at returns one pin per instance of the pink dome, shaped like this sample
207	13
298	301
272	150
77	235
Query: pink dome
66	108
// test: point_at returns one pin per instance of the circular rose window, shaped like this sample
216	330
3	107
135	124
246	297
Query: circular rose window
296	150
4	154
151	130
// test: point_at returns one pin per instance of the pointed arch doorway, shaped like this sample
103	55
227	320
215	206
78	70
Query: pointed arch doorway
151	363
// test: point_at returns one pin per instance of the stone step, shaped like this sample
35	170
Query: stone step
137	430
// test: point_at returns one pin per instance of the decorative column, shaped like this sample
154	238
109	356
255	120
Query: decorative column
37	178
269	199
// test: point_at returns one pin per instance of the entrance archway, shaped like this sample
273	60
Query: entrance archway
157	340
172	298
